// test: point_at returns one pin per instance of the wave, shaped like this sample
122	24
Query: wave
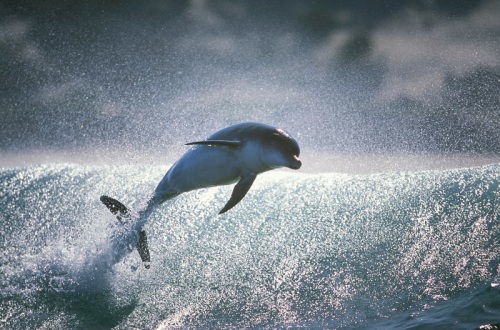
390	250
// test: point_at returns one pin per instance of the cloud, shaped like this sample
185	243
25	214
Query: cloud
14	38
13	30
420	50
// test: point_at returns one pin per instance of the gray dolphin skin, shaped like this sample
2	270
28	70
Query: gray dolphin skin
237	153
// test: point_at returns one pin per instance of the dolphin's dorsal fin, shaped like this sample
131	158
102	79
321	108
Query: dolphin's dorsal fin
224	143
239	191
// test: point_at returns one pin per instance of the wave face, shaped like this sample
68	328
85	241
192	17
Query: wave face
396	250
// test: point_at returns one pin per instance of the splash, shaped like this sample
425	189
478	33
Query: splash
321	250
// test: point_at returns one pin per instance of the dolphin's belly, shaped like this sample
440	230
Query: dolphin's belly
201	167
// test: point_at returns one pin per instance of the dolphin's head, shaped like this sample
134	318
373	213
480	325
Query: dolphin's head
284	149
263	147
280	149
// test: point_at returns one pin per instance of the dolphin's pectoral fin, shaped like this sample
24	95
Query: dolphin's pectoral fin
142	247
239	191
115	207
224	143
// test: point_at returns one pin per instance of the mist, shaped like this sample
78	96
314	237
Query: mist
343	76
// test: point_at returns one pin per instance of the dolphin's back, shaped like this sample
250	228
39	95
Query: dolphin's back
242	131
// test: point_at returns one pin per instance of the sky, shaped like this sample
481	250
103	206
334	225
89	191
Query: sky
151	75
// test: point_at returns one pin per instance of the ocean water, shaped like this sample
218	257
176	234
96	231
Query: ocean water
397	250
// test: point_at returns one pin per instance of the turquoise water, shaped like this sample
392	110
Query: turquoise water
414	250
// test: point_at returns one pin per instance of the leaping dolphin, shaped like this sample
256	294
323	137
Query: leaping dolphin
237	153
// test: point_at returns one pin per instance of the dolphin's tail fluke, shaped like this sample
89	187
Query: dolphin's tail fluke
122	214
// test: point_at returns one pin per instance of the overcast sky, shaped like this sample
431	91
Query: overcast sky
354	75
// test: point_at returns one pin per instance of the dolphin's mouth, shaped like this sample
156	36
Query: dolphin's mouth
296	163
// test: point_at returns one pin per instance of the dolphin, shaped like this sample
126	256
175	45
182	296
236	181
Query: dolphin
237	153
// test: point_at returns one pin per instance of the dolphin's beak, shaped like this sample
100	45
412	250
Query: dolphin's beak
297	163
